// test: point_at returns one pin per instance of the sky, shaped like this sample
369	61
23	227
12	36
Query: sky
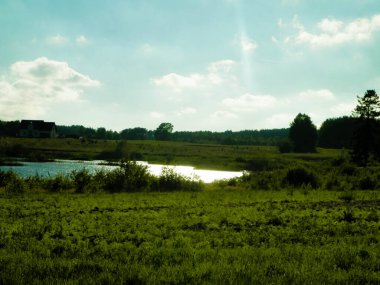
199	64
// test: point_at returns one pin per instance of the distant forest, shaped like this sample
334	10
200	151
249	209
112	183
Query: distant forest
333	133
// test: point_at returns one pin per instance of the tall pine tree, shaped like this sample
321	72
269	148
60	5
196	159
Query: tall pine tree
366	142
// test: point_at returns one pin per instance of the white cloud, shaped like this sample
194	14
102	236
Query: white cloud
334	32
57	40
186	111
296	23
330	26
247	44
279	120
33	86
217	73
220	71
343	109
178	82
156	115
249	102
223	115
81	40
322	94
225	66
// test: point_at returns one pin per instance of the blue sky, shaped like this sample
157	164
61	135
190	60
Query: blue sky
199	64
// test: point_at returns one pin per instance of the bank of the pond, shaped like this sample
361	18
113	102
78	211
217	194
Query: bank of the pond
66	167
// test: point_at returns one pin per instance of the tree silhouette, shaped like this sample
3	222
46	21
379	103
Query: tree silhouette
303	134
366	140
163	131
337	132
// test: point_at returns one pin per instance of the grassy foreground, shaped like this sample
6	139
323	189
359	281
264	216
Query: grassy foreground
222	237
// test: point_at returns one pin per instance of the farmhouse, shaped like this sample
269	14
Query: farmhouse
37	129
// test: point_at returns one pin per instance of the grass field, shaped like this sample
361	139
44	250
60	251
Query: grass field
204	156
295	219
223	237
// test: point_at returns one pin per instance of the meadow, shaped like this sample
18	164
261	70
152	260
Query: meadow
223	237
293	219
203	156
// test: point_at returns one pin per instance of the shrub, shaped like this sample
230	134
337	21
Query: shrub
285	146
348	169
347	196
34	182
169	180
259	164
299	176
266	180
137	176
336	182
82	179
367	183
348	216
131	176
57	183
12	183
6	177
114	181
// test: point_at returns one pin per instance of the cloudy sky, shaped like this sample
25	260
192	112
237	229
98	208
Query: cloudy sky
199	64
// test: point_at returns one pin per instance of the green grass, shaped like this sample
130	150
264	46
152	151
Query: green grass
222	237
321	226
203	156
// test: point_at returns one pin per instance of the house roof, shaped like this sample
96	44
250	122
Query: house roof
37	125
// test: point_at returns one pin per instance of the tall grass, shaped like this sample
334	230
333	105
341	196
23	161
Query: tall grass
223	237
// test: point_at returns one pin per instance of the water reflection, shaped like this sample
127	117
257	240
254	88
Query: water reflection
65	167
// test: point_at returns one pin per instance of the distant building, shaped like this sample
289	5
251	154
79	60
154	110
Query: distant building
37	129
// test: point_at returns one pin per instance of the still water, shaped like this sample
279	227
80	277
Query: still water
67	166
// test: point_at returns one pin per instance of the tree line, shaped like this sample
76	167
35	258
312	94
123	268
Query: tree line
163	132
360	130
334	133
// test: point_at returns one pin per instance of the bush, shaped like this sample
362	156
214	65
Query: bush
299	176
367	183
137	176
337	182
285	146
169	180
114	181
34	182
348	169
266	180
261	164
347	196
12	183
6	177
130	177
57	183
82	179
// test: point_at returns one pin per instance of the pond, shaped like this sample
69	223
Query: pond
67	166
